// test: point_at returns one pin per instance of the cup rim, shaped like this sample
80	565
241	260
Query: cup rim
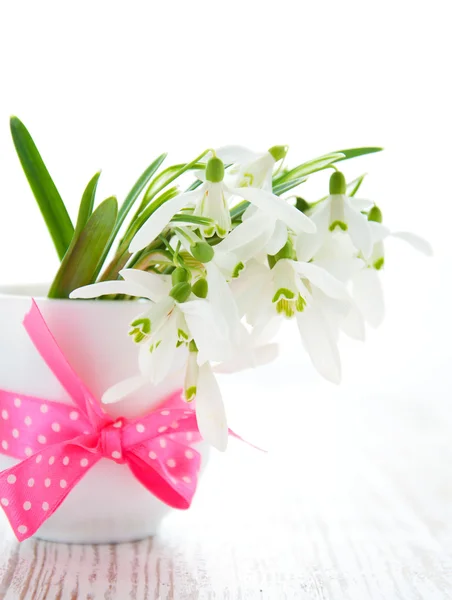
24	291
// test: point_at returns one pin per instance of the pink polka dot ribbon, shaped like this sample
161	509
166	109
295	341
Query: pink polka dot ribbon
57	443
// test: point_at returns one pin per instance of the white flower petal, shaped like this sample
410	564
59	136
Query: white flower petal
319	343
156	286
259	356
221	297
360	203
209	332
278	238
379	232
162	357
309	244
359	230
248	238
353	324
160	219
213	203
236	154
416	241
278	208
210	411
122	389
322	279
105	288
368	294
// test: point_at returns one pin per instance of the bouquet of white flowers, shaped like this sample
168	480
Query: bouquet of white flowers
218	266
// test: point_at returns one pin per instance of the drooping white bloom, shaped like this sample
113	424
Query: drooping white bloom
171	320
251	169
211	200
366	283
338	212
295	289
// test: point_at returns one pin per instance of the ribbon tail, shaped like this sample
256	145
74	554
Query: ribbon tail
238	437
174	486
52	354
32	490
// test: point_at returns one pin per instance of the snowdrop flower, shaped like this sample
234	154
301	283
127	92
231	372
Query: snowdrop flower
251	169
366	284
175	316
212	200
201	384
342	213
300	290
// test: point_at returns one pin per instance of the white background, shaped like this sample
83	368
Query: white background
113	84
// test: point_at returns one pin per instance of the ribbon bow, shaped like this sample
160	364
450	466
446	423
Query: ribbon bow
60	443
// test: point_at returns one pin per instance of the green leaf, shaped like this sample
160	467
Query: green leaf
192	220
166	177
161	258
47	196
137	189
355	152
311	166
354	185
86	206
82	263
280	188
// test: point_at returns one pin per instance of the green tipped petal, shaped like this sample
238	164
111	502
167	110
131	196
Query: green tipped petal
339	224
190	394
338	185
379	264
215	170
238	269
278	152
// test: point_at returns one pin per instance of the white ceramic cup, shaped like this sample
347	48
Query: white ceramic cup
108	505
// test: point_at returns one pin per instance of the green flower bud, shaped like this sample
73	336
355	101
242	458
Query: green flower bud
200	288
181	291
375	215
338	184
278	152
202	252
180	275
215	170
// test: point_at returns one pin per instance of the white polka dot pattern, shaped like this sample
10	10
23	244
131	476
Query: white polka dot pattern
38	431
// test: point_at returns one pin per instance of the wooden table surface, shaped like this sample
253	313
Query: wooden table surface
353	501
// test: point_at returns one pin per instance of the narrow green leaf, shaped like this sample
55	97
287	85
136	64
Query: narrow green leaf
280	188
354	185
82	263
47	196
191	219
166	177
86	206
311	166
238	210
355	152
160	258
195	185
138	188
